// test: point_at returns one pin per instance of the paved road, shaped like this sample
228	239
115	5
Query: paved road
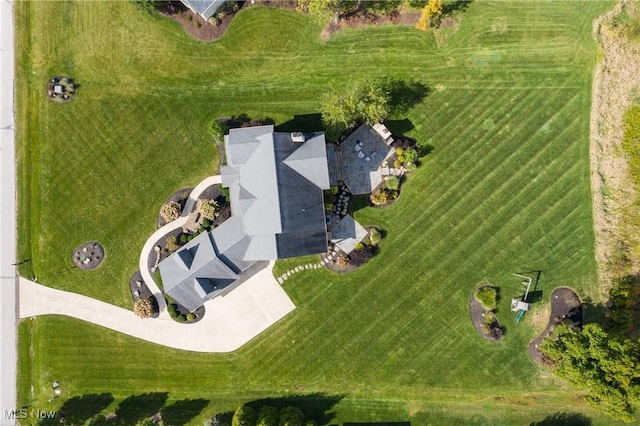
230	320
8	357
155	237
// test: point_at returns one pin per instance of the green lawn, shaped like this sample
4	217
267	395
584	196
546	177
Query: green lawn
506	189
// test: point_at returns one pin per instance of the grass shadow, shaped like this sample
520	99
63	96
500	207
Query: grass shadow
399	127
79	409
307	123
183	411
404	95
316	406
139	407
564	419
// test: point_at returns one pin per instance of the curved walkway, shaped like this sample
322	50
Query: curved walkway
231	320
171	226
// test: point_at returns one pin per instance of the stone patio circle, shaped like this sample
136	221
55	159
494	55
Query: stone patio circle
61	88
88	255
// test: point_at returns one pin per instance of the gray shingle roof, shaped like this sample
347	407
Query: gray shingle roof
347	233
204	8
275	186
195	274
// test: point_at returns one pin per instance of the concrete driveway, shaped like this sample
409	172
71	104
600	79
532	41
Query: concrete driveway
229	322
8	357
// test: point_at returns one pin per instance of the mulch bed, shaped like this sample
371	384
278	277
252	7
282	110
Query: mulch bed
88	256
206	32
181	310
477	313
139	290
359	18
565	305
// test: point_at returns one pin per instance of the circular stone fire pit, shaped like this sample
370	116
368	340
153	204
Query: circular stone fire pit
88	256
61	89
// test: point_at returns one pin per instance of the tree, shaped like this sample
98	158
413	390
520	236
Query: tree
433	9
170	211
143	308
244	416
366	102
291	416
606	367
323	9
267	416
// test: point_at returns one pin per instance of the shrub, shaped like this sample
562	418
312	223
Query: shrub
183	238
485	329
244	416
172	243
342	261
399	151
334	190
360	257
392	183
189	18
209	209
172	308
489	317
197	24
374	237
190	237
217	129
170	211
267	416
410	155
358	247
181	318
190	316
143	308
291	416
397	164
310	422
488	297
329	206
206	223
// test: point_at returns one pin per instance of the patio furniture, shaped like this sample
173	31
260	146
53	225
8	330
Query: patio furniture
357	147
360	154
368	159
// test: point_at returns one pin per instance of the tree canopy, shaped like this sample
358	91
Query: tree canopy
606	367
365	102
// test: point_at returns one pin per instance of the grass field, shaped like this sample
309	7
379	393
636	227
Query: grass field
506	189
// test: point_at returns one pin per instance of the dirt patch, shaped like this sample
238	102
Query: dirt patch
615	200
565	306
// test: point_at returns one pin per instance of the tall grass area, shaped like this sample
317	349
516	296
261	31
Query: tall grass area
506	189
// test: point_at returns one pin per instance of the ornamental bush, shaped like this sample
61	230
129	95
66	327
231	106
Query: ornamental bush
170	211
488	297
143	308
209	209
217	129
190	316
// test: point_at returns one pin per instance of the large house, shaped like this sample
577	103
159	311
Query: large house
275	183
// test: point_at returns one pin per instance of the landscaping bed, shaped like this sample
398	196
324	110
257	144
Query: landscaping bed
482	312
565	307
